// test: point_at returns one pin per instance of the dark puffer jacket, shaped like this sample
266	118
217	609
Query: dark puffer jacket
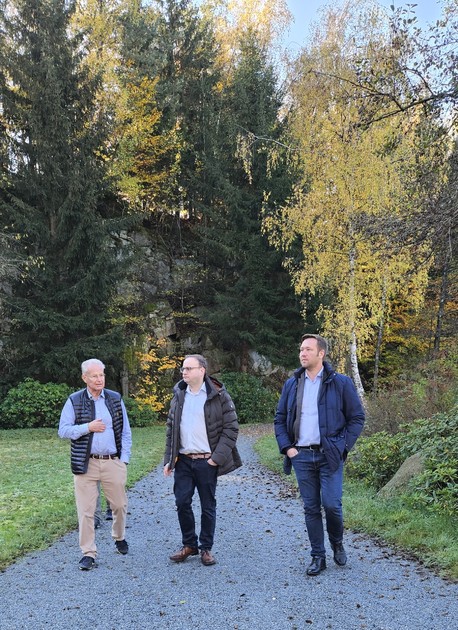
220	420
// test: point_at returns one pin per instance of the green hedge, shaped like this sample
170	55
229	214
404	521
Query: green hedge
253	401
140	415
32	404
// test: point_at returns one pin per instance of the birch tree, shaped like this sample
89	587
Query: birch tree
352	174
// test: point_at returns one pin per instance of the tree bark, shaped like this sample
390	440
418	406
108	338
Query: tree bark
381	328
442	299
353	346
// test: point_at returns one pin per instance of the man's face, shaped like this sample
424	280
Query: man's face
310	357
94	379
193	373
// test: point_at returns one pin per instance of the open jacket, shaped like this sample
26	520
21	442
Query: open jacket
340	415
220	420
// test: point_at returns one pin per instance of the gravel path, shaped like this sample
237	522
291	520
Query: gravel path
259	581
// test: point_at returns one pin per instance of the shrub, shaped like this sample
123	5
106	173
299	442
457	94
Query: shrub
428	389
428	434
253	401
436	489
375	459
140	414
32	404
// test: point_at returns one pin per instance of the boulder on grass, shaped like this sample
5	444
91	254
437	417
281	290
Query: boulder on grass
411	467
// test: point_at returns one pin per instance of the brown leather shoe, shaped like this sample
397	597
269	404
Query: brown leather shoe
183	553
207	558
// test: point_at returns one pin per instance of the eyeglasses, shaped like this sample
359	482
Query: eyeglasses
186	369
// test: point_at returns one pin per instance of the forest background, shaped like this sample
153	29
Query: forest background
172	181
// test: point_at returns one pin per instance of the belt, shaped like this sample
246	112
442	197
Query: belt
197	455
94	456
310	447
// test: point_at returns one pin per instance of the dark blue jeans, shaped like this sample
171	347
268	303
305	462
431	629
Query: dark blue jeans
189	475
320	487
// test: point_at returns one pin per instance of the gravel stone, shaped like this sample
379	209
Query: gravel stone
259	581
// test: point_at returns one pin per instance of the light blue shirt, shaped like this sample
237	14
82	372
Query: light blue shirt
193	429
309	427
102	443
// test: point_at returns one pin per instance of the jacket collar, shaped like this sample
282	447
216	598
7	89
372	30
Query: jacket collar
328	372
212	385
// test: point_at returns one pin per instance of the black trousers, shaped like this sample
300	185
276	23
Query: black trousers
189	475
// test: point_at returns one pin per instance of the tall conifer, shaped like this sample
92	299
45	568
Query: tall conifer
255	306
54	198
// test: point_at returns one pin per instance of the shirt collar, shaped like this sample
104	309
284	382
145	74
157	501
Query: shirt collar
202	389
319	375
102	394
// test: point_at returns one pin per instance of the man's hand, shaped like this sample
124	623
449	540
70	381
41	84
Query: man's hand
211	462
292	452
167	470
97	426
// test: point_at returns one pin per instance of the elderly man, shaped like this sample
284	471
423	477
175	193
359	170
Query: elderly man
96	422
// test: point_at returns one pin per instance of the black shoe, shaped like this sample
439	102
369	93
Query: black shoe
108	515
86	563
340	556
97	522
316	566
122	547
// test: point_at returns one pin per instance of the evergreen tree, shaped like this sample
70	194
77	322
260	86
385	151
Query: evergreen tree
218	197
55	198
255	303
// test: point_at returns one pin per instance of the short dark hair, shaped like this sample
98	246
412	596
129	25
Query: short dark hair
321	341
202	361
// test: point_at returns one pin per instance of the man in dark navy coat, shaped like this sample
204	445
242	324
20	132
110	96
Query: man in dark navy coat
318	420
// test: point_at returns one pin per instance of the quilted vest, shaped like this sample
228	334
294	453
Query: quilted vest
85	412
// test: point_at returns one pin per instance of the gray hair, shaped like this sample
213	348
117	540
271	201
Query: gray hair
85	365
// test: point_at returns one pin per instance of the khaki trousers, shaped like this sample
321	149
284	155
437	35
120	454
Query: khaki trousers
112	474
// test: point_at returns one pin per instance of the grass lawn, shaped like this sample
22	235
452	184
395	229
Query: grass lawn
37	503
429	538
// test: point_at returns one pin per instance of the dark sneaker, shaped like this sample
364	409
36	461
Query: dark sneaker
108	515
97	522
122	547
207	558
86	563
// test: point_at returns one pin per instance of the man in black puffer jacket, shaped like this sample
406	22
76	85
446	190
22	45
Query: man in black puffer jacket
202	431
